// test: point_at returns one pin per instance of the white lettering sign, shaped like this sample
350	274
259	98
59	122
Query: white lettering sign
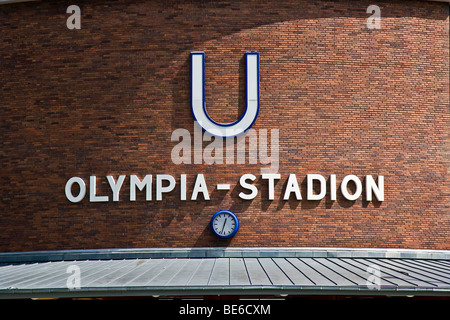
198	97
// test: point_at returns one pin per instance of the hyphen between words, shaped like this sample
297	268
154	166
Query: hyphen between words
316	187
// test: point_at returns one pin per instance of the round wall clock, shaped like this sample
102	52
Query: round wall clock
224	224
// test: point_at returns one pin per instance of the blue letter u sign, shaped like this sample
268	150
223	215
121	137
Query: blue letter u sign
198	97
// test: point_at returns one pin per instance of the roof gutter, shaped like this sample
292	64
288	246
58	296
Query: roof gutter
214	290
17	1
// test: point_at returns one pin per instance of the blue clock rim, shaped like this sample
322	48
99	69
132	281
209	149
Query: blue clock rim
235	229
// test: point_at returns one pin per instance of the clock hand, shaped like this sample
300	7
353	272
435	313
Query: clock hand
224	225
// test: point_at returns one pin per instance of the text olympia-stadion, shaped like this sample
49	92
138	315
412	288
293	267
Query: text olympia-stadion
237	149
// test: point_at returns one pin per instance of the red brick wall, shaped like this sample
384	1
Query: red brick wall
104	100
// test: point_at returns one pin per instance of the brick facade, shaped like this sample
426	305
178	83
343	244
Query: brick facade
104	100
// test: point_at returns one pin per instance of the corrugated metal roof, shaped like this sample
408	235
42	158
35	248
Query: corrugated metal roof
225	275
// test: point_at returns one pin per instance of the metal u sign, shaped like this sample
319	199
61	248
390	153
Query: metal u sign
198	106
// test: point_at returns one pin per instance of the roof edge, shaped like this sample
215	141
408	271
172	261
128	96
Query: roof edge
221	252
214	290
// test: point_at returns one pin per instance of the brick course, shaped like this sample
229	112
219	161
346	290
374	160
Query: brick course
105	99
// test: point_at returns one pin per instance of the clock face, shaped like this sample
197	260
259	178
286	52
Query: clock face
224	224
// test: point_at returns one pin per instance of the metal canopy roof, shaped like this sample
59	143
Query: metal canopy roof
250	274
